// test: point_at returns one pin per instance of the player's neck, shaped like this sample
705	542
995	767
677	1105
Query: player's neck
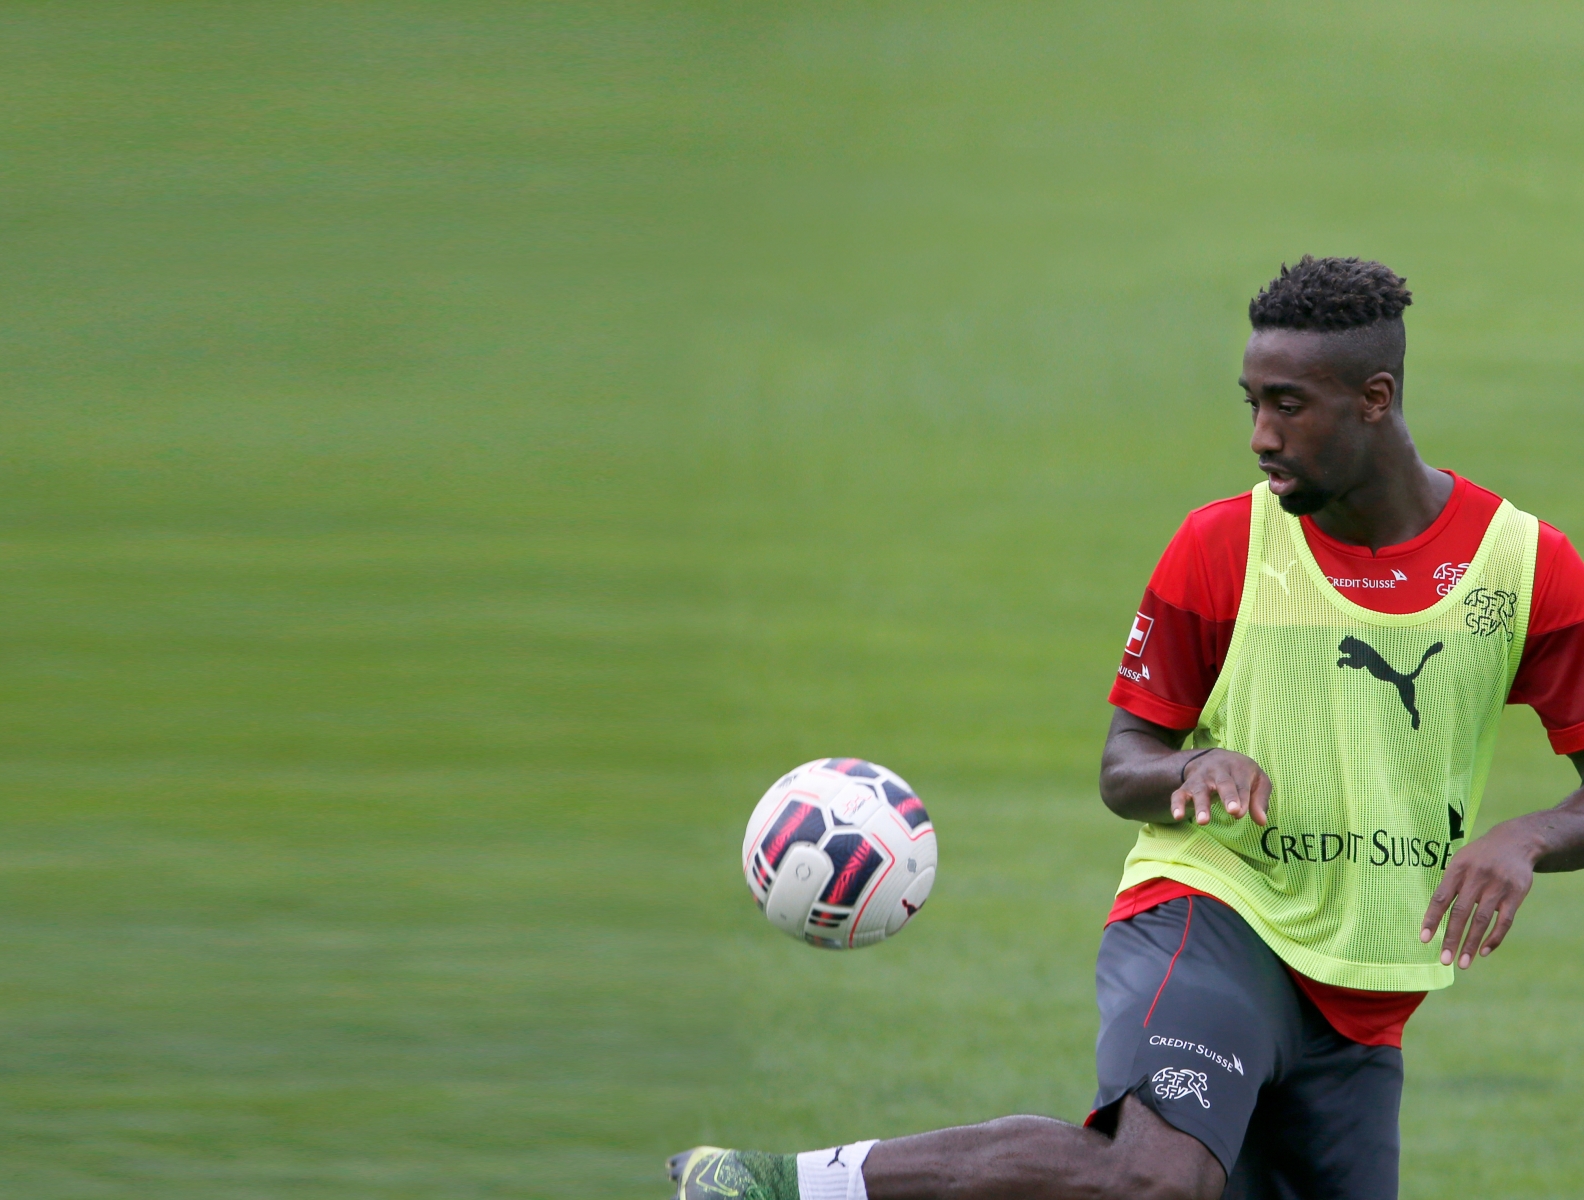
1400	497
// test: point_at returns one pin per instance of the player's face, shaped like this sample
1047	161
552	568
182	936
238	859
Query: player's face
1308	433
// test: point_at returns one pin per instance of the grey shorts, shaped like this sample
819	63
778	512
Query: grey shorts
1200	1021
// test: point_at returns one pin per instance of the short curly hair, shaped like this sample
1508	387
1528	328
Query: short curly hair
1330	295
1359	303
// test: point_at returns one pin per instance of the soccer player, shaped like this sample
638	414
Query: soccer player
1305	716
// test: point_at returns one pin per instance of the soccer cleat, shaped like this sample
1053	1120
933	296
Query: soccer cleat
698	1173
710	1173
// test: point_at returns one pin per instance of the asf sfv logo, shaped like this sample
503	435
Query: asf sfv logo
1173	1083
1361	656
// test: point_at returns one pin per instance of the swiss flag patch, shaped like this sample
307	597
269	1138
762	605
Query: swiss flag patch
1138	635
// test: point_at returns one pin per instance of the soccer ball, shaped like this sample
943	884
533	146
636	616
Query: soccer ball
840	853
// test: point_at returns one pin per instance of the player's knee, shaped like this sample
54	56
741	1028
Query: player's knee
1200	1187
1185	1179
1151	1160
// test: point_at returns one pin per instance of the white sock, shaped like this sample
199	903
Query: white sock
833	1174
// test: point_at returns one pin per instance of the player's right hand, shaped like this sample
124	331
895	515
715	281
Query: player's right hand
1241	784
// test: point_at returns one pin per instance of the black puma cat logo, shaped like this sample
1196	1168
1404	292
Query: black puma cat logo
1362	656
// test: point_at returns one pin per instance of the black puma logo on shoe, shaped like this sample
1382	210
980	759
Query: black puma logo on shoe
1362	656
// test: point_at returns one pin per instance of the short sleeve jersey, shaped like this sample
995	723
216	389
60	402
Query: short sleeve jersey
1179	638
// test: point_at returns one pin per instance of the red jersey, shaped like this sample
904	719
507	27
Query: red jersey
1179	638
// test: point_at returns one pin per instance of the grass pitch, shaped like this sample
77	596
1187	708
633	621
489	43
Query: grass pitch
456	456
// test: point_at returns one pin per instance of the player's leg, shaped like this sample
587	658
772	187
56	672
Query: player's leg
1036	1158
1196	1014
1013	1158
1328	1128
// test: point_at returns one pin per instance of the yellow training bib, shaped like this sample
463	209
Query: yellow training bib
1377	731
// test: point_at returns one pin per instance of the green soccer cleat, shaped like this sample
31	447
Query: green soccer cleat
710	1173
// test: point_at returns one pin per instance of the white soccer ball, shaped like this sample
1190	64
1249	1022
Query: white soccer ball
840	853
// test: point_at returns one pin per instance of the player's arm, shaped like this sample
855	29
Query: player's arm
1488	879
1145	775
1173	653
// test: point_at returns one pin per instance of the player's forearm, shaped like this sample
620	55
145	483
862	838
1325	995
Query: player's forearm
1556	835
1138	787
1145	776
1140	768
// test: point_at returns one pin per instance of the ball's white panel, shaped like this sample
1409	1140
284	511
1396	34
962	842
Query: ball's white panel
854	803
911	900
804	870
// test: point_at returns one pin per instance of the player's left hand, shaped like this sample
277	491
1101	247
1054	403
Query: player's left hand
1483	886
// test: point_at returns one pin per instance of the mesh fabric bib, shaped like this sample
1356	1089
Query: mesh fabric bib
1377	732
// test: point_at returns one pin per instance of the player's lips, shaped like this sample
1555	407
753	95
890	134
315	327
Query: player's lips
1281	482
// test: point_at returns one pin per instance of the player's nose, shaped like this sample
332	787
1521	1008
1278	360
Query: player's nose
1266	438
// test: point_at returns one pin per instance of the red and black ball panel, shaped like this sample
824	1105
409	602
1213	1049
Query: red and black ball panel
856	767
827	918
908	806
761	875
797	822
855	859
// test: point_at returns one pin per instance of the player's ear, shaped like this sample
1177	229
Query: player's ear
1379	392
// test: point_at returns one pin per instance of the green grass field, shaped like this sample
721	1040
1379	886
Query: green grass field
454	457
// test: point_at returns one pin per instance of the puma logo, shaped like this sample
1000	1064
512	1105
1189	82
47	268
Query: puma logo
1279	576
912	909
1362	656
